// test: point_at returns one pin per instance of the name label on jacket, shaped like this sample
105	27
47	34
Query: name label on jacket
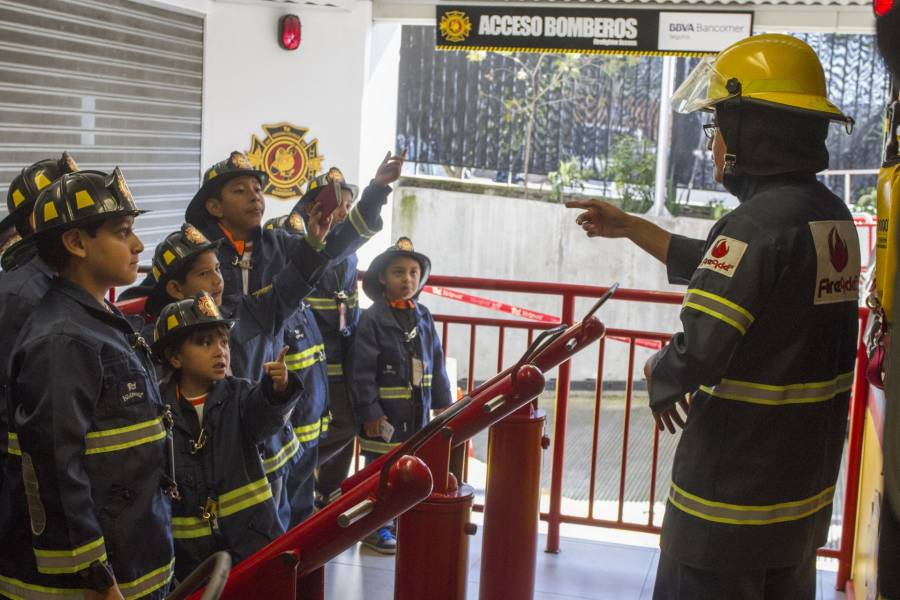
724	255
837	260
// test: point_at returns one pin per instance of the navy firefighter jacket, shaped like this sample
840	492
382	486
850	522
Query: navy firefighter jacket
226	502
306	357
335	302
20	291
89	429
382	362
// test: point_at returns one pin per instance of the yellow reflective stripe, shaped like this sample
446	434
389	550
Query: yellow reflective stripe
56	562
306	358
335	370
19	590
244	497
111	440
326	421
322	303
275	462
781	395
367	445
395	393
307	433
12	444
184	528
719	308
148	583
359	223
737	514
426	380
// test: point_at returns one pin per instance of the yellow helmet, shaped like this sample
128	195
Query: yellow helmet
774	69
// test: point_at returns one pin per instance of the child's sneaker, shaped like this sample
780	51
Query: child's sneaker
382	541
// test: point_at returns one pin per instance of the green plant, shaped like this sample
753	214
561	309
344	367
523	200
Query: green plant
632	166
568	176
867	201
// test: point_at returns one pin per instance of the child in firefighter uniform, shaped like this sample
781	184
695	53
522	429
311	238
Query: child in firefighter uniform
22	288
397	361
306	357
226	502
335	304
84	396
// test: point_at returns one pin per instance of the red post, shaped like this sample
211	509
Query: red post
311	586
512	505
559	437
854	459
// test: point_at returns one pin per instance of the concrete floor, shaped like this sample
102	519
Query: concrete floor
584	570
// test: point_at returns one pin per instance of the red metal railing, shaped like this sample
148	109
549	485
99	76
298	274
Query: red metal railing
568	294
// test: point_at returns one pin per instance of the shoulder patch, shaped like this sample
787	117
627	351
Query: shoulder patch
724	255
837	261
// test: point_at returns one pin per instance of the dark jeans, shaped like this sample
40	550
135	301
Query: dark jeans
336	448
677	581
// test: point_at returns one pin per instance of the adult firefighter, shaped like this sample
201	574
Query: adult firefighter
770	329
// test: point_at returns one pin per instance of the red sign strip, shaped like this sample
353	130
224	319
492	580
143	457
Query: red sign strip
520	312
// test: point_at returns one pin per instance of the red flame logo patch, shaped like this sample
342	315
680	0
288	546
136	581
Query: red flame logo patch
837	247
720	249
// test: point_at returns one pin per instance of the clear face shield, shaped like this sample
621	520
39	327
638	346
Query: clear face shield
703	88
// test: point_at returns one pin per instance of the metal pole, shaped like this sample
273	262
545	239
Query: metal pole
559	437
663	138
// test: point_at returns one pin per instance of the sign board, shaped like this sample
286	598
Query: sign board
589	30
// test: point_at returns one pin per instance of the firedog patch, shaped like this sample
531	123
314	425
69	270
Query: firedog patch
724	255
837	261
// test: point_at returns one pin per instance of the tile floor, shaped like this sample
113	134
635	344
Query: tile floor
584	570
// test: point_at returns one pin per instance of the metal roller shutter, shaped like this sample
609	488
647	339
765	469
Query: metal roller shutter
113	82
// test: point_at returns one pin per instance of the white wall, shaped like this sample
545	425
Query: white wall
506	238
341	84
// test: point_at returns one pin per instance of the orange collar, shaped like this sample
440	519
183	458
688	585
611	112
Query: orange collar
401	304
239	245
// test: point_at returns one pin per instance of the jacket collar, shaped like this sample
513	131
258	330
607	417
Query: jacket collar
107	313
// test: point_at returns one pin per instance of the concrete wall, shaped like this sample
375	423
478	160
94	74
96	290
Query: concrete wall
505	238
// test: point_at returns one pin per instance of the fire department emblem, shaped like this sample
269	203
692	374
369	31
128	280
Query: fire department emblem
295	222
122	187
70	163
288	159
405	244
239	161
455	26
193	235
207	307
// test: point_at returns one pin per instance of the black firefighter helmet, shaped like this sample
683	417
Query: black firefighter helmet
291	222
404	247
171	258
25	188
316	184
214	178
74	200
184	316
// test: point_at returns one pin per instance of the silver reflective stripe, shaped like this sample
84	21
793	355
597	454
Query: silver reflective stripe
17	589
359	223
57	562
395	393
780	395
190	527
148	583
244	497
720	308
375	447
737	514
121	438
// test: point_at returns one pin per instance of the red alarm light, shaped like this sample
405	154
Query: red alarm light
882	7
289	32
